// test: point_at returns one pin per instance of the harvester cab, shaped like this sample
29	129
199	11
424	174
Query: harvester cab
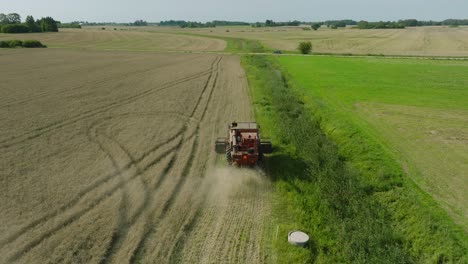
243	145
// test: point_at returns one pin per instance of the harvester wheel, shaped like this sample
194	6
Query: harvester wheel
228	155
220	145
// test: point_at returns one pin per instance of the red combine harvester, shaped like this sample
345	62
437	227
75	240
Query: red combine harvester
243	146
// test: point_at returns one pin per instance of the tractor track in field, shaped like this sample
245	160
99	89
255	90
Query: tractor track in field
115	77
188	165
120	167
156	202
100	182
137	252
6	143
74	216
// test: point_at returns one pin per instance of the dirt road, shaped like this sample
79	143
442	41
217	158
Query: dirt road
108	158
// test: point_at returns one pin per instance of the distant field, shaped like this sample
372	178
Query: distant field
421	41
121	39
417	109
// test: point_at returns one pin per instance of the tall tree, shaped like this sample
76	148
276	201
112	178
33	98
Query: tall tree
269	23
48	24
316	26
14	18
3	19
33	27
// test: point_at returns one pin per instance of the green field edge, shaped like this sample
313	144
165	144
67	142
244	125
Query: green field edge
233	45
384	220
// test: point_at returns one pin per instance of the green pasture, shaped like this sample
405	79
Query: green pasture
416	109
340	176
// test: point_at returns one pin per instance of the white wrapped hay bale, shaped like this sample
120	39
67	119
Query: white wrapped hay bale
298	238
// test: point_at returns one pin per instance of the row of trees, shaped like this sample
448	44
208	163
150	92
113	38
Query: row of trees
391	24
187	24
379	25
410	23
447	22
271	23
69	25
339	23
334	24
11	23
140	23
192	24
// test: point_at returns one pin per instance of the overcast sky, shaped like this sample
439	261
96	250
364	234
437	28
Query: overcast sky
236	10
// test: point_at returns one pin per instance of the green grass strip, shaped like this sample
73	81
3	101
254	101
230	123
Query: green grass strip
235	45
323	193
244	45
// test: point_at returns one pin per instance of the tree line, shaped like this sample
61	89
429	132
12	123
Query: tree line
186	24
379	25
194	24
271	23
411	23
394	24
11	23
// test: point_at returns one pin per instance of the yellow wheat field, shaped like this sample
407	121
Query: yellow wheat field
107	157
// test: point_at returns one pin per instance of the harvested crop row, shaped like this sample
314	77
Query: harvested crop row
93	38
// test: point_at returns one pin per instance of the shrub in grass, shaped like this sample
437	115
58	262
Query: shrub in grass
15	43
10	43
4	44
33	44
305	47
18	43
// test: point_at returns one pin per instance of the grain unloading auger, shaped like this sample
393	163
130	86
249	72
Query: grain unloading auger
243	145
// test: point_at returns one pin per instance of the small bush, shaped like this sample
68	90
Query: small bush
4	44
305	47
33	44
15	28
10	43
18	43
